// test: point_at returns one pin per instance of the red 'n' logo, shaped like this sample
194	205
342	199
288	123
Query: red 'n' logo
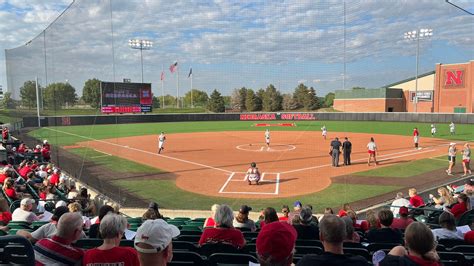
454	78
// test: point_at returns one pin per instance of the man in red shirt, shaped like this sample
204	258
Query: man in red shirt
415	200
54	178
403	221
416	135
25	170
58	249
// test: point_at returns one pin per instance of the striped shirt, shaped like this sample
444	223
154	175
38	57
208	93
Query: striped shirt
55	251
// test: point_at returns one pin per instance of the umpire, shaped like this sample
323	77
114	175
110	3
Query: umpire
346	151
335	151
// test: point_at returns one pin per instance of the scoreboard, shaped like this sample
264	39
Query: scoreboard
119	97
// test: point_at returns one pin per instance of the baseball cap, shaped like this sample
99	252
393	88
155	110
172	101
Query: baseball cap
298	204
276	240
245	209
156	233
306	215
403	211
27	201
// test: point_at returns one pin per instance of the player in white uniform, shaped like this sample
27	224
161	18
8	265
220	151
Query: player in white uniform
324	132
253	174
372	150
161	142
433	130
452	129
267	137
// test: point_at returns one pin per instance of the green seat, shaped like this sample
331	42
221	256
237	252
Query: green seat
88	243
182	218
195	223
199	220
132	220
175	223
191	227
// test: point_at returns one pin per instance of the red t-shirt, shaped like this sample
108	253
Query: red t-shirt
125	256
342	213
210	222
230	236
45	153
458	209
21	148
416	133
54	179
3	177
5	217
42	195
11	193
24	171
283	218
416	201
399	223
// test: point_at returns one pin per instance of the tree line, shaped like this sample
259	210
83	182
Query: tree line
59	95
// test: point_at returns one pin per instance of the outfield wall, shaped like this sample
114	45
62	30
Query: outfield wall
124	119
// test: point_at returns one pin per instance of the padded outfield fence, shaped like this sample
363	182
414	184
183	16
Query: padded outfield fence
123	119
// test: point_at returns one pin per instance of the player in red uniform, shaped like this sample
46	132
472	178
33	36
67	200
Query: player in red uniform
416	135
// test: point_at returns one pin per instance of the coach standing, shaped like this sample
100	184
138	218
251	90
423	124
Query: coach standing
347	149
335	151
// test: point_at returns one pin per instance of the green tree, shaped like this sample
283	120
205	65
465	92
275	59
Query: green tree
170	101
305	97
200	98
28	94
329	99
57	95
155	102
91	92
250	101
313	102
288	102
272	99
238	99
259	99
216	102
358	88
7	101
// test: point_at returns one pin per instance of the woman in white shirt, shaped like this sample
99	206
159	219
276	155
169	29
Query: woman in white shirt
372	149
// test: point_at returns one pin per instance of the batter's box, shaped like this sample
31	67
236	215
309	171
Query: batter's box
237	184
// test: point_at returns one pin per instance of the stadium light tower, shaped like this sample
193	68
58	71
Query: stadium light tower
417	35
140	45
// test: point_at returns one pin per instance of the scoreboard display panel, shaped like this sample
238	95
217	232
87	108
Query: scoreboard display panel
119	97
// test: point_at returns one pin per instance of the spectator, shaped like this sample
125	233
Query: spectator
385	234
275	244
242	219
152	213
58	249
402	222
9	189
5	174
5	214
399	201
332	234
415	200
469	186
223	232
295	214
269	216
345	208
87	204
372	221
445	199
75	207
285	210
306	229
351	235
72	193
54	178
421	247
463	205
314	218
154	242
448	228
24	213
210	220
94	230
326	211
47	230
112	229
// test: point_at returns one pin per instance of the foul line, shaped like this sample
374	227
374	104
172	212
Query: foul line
277	185
227	182
147	152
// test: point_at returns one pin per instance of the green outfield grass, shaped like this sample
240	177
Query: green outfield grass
171	197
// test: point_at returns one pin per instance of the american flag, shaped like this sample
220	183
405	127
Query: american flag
162	77
173	67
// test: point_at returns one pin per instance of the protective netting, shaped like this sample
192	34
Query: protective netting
232	44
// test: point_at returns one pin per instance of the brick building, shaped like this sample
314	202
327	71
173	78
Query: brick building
448	89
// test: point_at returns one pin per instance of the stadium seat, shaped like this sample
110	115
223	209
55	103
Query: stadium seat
184	245
182	218
208	249
189	238
372	247
132	220
466	218
183	257
19	225
449	243
191	228
457	257
16	250
358	251
126	243
250	248
190	233
353	245
230	259
243	229
88	243
303	250
14	205
310	243
250	235
199	220
463	249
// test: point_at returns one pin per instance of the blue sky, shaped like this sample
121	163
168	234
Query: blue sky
231	44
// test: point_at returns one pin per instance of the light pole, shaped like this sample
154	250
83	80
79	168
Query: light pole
140	45
417	35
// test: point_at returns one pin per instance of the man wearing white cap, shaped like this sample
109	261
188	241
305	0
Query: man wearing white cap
451	157
24	213
153	242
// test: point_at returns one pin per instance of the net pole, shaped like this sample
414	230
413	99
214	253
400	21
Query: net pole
192	102
177	86
162	86
37	102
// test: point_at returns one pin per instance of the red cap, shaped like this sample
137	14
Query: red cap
276	239
469	237
403	211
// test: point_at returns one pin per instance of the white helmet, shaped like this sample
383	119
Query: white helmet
45	141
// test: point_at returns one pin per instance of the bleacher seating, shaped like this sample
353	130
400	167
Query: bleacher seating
16	250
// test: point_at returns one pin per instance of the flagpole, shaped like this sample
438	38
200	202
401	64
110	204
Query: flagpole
162	86
192	103
177	86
